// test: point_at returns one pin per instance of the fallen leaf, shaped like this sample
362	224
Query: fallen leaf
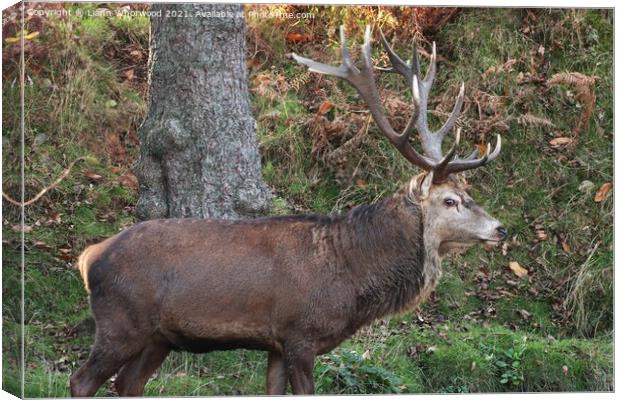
508	64
42	245
325	107
129	74
526	315
54	218
128	180
136	54
517	269
64	257
253	62
566	247
492	69
366	355
601	193
431	349
585	186
65	254
31	35
114	146
93	176
560	141
297	37
473	366
22	228
541	234
564	369
360	183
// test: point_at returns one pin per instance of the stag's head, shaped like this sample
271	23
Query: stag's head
453	221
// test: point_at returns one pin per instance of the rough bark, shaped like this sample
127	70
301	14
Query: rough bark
198	148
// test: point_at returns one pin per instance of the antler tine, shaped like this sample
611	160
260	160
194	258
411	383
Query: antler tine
398	65
410	71
345	71
430	74
415	91
321	68
415	59
431	141
463	165
472	155
375	102
344	53
363	81
498	148
456	111
441	166
366	55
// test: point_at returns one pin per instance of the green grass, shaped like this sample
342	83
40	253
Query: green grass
484	330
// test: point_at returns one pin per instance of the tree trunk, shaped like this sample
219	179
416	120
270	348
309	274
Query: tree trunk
199	153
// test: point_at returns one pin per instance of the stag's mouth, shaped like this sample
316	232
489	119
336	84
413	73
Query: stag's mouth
454	247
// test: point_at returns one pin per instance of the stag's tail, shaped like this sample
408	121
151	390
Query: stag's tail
83	265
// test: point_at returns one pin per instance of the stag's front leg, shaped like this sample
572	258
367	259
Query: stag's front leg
300	363
277	374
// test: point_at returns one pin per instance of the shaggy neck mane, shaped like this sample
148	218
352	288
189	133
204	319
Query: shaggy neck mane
382	245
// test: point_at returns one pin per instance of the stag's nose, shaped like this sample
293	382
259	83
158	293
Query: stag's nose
503	232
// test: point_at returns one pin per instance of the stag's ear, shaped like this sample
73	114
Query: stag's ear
420	185
425	185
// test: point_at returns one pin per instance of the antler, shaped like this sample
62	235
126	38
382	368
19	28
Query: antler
431	141
363	81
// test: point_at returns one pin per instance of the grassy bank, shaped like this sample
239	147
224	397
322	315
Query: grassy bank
541	78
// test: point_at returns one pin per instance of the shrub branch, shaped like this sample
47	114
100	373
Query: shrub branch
45	189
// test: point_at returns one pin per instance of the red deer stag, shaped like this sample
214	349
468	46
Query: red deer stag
294	286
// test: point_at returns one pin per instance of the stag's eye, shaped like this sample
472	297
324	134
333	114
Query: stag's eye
449	202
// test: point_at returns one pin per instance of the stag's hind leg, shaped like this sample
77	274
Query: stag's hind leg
277	374
118	338
136	372
104	360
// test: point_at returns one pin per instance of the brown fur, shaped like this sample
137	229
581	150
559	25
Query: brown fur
294	286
